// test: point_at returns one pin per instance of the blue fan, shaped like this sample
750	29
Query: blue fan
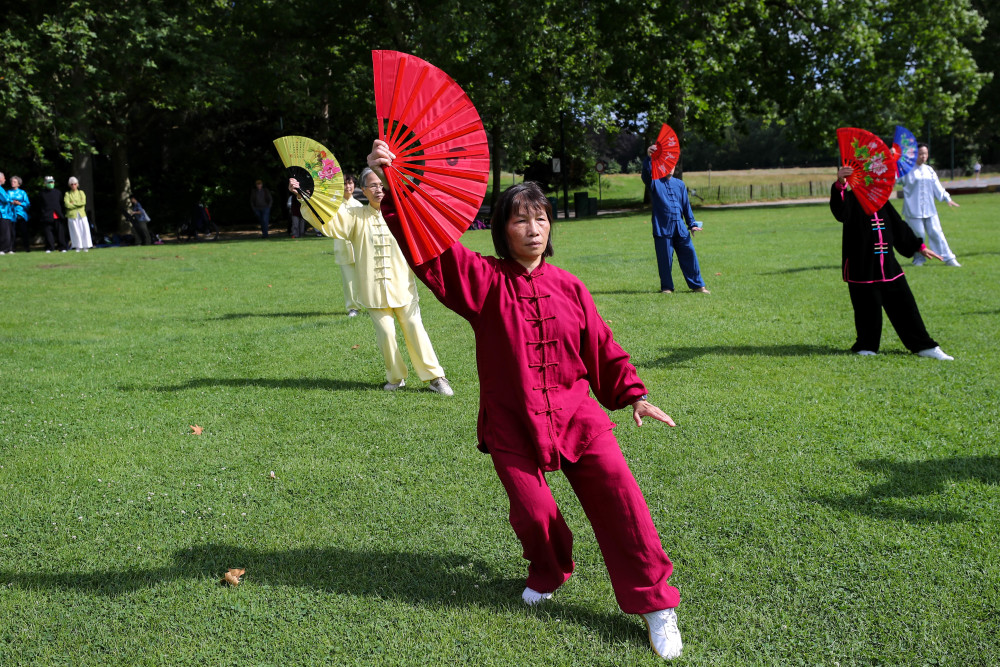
904	145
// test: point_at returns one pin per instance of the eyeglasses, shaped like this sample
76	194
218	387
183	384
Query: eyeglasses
375	186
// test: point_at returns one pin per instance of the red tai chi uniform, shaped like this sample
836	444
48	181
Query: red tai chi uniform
541	347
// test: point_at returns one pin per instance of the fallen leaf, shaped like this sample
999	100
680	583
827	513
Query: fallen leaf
233	577
272	475
196	430
354	347
718	274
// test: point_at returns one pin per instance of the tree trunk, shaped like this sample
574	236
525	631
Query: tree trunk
123	184
83	169
496	155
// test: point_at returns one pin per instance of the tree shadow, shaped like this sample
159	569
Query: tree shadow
682	354
326	384
801	269
432	580
911	479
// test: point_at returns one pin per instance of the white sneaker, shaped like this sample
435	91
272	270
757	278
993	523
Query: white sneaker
865	353
935	353
441	386
919	260
47	252
952	262
532	597
352	312
389	386
664	636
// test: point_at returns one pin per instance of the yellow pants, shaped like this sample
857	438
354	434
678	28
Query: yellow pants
422	356
349	279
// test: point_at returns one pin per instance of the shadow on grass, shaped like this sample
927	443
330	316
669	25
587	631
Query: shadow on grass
911	479
681	354
825	267
240	316
433	580
327	384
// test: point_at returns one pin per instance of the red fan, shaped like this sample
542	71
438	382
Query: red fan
874	167
442	163
668	151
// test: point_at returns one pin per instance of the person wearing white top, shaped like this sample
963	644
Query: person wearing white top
343	254
920	188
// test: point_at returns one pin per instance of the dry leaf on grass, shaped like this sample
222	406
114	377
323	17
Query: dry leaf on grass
354	347
272	475
196	430
233	577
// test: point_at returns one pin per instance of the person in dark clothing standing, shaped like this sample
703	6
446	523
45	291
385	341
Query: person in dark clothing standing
52	217
260	202
873	274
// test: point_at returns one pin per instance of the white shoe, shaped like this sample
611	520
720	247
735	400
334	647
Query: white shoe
441	386
664	636
2	252
352	312
935	353
952	262
532	597
389	386
865	353
78	250
62	251
919	260
47	252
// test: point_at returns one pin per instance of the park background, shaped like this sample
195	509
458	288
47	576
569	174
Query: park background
179	102
820	508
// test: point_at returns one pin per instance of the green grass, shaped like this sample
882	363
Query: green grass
820	508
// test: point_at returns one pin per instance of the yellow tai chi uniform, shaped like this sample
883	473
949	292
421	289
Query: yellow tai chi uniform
386	286
343	254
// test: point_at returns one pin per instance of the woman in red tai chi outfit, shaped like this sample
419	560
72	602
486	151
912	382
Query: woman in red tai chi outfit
541	347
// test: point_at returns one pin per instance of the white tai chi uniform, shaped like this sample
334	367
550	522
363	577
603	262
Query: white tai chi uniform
343	254
920	188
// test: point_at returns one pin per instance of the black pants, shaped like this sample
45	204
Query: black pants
22	230
6	235
55	230
897	300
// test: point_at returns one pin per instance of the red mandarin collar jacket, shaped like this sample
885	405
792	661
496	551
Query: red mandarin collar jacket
541	347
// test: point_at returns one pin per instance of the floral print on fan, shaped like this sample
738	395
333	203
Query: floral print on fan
872	160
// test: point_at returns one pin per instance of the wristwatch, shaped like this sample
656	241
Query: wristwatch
644	397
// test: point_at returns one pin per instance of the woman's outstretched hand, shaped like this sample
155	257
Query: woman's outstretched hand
642	409
379	158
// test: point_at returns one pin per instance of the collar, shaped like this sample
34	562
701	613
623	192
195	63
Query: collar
516	270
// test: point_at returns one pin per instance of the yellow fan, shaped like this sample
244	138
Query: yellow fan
321	181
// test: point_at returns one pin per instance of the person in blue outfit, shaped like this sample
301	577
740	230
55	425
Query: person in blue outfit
20	204
673	222
6	219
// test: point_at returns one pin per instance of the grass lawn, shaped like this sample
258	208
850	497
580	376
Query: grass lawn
820	508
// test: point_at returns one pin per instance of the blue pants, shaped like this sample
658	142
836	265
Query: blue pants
665	247
264	216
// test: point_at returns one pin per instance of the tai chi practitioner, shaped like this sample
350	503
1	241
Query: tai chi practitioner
75	203
6	219
920	188
343	254
541	348
673	224
386	288
873	275
20	204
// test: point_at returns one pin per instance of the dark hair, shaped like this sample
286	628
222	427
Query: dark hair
515	199
923	145
350	177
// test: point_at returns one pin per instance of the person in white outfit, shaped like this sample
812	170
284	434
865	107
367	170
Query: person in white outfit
920	188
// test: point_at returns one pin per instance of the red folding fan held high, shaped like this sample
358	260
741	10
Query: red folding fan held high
668	151
442	164
874	167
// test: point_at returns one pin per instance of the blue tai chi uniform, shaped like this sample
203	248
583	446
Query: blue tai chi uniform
672	223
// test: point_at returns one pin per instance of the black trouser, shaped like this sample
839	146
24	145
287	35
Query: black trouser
141	232
896	298
6	235
53	230
22	229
